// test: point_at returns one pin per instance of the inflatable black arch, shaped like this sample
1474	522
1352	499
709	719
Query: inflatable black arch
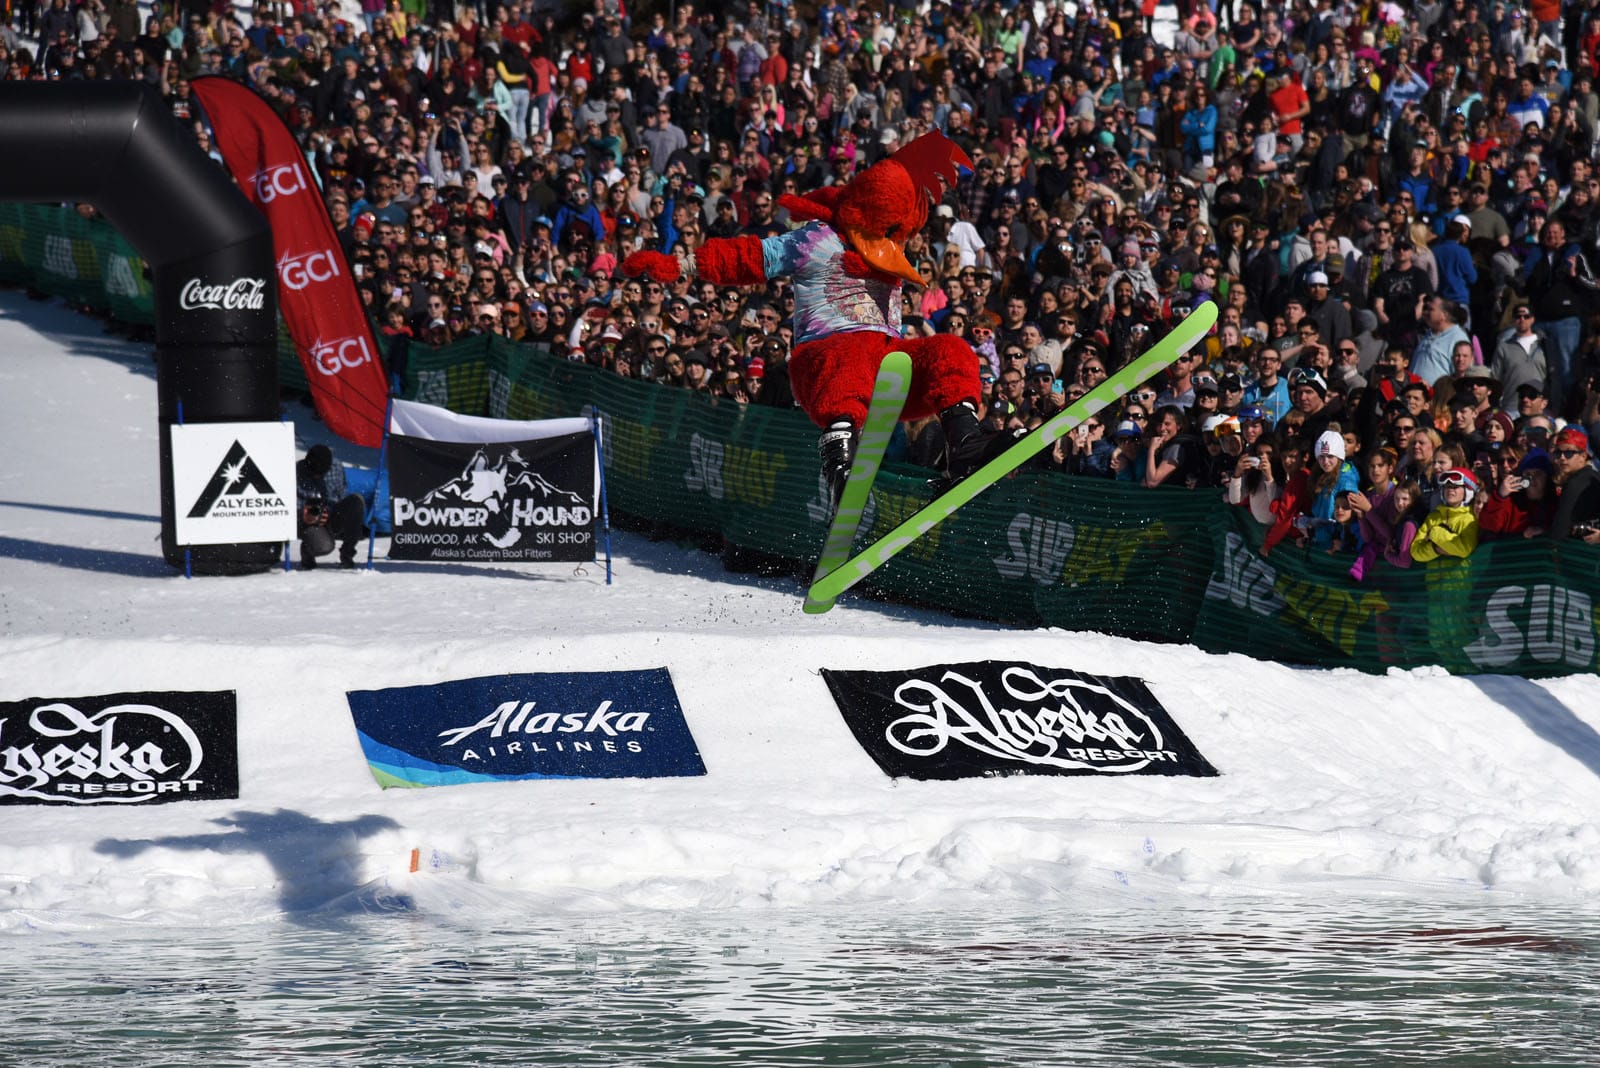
116	146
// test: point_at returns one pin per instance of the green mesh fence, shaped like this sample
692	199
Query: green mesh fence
1045	549
1040	549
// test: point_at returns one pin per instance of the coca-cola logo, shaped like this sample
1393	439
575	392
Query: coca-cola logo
284	180
241	294
331	357
297	272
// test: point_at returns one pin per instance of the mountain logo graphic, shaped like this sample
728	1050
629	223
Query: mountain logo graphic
234	477
510	493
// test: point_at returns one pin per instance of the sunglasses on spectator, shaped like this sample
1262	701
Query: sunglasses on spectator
1404	428
1146	394
1536	431
1567	454
655	348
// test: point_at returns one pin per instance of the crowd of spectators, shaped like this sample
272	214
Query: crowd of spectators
1394	206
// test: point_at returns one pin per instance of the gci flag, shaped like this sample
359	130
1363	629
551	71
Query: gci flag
490	490
959	721
560	725
119	749
316	292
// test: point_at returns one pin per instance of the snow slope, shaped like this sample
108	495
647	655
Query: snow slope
1416	783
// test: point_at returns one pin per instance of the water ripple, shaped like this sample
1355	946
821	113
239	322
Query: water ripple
1351	983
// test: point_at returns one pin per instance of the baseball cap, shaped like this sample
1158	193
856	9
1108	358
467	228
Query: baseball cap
1572	438
1128	429
483	248
945	211
1040	369
1316	278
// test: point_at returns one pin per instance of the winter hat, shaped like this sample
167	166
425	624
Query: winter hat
1572	438
1460	476
1329	443
757	368
1507	424
1131	248
1536	460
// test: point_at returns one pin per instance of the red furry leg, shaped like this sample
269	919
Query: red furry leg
833	378
944	371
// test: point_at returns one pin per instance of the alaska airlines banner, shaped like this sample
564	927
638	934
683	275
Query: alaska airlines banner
490	490
119	749
961	721
315	292
560	725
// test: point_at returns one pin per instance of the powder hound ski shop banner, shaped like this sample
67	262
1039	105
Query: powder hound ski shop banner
491	490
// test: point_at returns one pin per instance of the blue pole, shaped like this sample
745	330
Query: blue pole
283	417
188	557
383	449
605	508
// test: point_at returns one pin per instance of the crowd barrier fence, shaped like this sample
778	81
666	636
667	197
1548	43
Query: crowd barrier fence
1040	549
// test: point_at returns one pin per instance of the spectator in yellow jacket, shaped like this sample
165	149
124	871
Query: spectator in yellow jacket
1451	529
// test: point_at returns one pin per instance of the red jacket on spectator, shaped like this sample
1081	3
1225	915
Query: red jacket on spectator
1295	502
1508	517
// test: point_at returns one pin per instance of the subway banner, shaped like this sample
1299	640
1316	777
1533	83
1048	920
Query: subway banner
1523	606
992	718
491	490
555	725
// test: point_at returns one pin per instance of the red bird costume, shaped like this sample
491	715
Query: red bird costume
848	263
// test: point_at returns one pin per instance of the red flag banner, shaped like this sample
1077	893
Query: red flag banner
315	290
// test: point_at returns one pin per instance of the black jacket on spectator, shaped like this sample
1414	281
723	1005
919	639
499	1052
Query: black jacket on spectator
1579	503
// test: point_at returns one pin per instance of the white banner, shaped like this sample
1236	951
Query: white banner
233	483
416	420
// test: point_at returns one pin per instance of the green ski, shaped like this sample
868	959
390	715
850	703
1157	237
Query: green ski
888	398
827	588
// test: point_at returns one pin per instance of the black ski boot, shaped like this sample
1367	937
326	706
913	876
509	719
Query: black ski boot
967	445
837	449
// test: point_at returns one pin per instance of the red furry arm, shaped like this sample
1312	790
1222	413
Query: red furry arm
657	265
731	261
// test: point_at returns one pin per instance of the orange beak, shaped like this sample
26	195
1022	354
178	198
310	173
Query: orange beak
885	254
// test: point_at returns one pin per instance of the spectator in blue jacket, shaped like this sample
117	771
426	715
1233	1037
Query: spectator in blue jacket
1200	130
1457	275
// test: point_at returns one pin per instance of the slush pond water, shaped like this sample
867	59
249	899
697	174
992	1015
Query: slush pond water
382	979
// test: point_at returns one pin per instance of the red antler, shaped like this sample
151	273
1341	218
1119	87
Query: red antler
933	155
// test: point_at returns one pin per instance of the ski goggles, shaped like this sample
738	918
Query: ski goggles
1456	478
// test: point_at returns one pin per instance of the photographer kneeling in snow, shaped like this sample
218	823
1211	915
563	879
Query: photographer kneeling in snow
329	512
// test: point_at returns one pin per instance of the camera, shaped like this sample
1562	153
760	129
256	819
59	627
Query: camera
314	513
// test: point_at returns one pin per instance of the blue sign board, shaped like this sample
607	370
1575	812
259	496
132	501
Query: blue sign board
557	725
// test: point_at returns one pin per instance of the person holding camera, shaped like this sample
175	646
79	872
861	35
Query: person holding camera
1578	507
1522	500
329	513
